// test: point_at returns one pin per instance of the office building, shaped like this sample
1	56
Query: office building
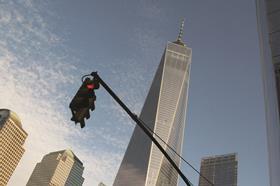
58	168
268	20
219	170
164	111
12	137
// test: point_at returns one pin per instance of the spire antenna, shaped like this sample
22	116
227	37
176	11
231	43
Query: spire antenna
180	35
179	38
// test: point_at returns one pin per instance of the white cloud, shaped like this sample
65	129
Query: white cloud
33	79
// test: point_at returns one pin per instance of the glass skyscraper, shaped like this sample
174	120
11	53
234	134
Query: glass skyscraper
220	170
268	19
58	168
164	111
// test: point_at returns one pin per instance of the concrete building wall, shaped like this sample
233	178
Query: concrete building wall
268	18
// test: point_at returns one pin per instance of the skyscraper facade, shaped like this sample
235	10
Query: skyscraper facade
268	19
12	137
58	168
164	111
219	170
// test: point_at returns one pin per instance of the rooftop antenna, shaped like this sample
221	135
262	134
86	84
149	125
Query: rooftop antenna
179	38
180	35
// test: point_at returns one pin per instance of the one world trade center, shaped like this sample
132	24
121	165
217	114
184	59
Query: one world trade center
164	111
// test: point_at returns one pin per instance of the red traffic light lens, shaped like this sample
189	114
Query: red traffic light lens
90	86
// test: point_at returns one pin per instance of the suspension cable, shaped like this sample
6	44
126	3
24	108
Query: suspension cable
175	151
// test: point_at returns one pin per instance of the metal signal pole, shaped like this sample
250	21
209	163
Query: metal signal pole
139	123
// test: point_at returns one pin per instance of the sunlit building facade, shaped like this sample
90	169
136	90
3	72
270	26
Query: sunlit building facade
219	170
12	138
58	168
164	111
268	19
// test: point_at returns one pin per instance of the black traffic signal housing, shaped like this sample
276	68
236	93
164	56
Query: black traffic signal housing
84	101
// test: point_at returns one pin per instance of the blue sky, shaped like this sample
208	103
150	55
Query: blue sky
45	47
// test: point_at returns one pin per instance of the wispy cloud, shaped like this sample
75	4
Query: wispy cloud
34	73
36	76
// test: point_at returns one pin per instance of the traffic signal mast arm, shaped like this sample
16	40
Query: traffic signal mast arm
139	123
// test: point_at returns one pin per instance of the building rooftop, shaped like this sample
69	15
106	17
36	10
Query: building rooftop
70	153
6	114
221	156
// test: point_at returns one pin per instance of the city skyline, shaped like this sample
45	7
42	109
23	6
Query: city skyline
46	46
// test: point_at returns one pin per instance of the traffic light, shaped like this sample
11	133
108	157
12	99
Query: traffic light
83	101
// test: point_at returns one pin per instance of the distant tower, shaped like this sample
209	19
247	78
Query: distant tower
58	168
219	170
12	137
164	111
